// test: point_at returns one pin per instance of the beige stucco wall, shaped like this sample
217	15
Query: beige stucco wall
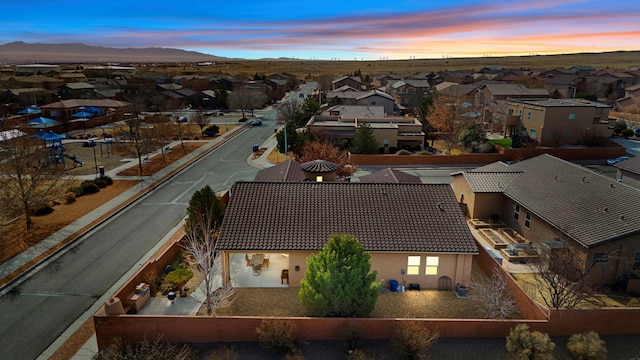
479	205
555	125
621	251
389	265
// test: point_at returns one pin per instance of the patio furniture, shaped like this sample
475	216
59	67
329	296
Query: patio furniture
284	275
257	270
265	263
256	259
247	259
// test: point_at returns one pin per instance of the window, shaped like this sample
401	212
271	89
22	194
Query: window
432	265
510	112
572	116
636	261
413	265
529	115
516	212
600	258
532	133
527	219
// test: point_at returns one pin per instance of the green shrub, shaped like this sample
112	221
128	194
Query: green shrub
360	354
107	179
101	183
41	210
587	346
158	349
70	198
634	302
223	353
525	344
89	187
277	335
351	336
294	354
175	280
412	340
403	152
619	126
627	133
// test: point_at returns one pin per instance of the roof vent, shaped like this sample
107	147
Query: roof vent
440	207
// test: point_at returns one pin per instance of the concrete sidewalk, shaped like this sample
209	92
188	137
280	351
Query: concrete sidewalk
87	222
155	306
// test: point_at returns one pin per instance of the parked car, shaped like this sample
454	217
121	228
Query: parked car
243	119
256	122
617	160
182	119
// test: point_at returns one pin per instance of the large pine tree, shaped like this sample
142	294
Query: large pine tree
338	281
364	141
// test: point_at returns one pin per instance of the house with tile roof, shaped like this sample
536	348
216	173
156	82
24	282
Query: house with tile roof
341	122
415	233
631	100
390	176
545	198
556	122
628	171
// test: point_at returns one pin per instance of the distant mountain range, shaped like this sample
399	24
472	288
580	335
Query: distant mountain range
19	52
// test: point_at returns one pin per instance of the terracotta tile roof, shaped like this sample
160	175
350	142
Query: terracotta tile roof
587	206
286	171
389	175
631	165
484	182
302	216
319	166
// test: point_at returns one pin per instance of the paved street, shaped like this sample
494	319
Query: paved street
37	311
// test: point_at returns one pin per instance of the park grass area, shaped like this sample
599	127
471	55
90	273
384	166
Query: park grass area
504	142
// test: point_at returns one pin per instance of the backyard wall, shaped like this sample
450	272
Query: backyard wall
203	329
570	154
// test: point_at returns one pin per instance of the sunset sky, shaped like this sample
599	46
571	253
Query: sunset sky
346	30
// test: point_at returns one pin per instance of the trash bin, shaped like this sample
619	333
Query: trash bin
393	285
101	169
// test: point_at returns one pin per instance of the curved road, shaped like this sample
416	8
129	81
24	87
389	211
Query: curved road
36	312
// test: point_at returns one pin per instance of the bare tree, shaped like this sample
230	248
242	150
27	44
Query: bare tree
204	214
242	100
287	111
445	116
32	175
562	275
493	297
201	119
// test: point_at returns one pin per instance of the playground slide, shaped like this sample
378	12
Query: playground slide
74	159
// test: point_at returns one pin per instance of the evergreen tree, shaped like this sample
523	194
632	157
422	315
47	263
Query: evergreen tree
338	281
205	211
364	142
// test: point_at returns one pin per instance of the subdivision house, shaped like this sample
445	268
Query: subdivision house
341	122
415	233
351	81
364	98
631	100
548	199
557	122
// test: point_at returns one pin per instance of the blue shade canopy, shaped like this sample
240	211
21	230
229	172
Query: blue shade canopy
29	110
82	114
48	136
41	123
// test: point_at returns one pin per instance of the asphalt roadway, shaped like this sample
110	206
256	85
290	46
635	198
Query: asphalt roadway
37	311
